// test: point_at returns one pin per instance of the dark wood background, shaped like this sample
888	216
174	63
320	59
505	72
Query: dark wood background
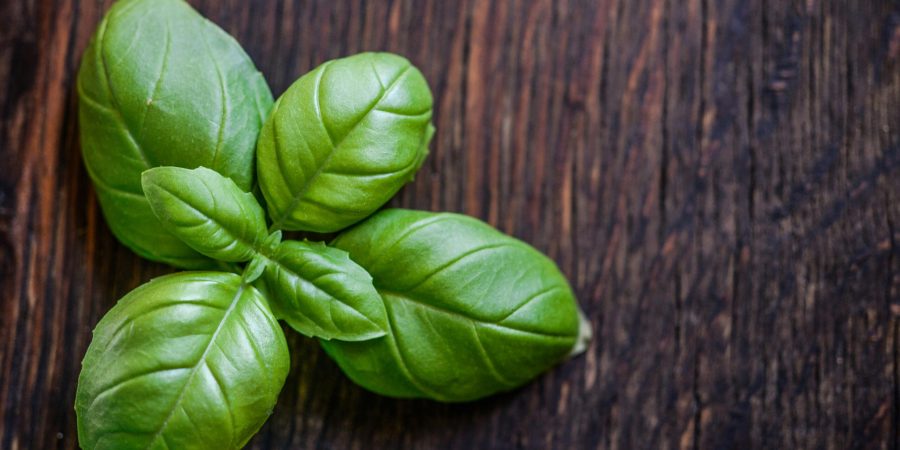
720	180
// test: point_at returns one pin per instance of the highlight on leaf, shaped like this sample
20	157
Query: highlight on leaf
190	360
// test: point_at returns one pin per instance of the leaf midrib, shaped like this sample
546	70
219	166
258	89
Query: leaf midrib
301	193
461	316
235	235
220	138
200	362
275	261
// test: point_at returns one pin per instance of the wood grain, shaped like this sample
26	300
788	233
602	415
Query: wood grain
720	180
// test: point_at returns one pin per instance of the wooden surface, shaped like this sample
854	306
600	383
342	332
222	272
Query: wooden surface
720	180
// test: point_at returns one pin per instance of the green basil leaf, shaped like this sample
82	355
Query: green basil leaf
471	311
207	211
342	140
254	269
190	360
159	85
321	293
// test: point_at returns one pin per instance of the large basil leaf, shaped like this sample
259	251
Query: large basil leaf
342	140
321	293
207	211
191	360
471	311
159	85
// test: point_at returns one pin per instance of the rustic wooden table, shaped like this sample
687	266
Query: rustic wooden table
720	180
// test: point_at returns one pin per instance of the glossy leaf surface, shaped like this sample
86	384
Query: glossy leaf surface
471	311
191	360
159	85
321	293
342	140
207	211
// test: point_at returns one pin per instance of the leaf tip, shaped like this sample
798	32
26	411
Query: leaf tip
148	177
585	334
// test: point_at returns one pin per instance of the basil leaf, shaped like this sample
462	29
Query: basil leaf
342	140
190	360
207	211
159	85
254	269
321	293
471	311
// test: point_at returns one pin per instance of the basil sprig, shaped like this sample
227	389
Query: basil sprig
177	135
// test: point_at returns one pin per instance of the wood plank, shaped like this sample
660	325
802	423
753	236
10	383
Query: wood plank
720	180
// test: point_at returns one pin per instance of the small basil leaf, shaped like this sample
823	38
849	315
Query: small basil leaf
342	140
207	211
471	311
321	293
190	360
254	269
272	242
159	85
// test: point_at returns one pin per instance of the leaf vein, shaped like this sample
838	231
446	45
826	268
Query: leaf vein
209	218
387	174
220	138
226	400
402	359
162	70
529	300
128	379
114	104
333	298
459	315
301	193
235	300
488	361
132	318
455	260
257	354
417	227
